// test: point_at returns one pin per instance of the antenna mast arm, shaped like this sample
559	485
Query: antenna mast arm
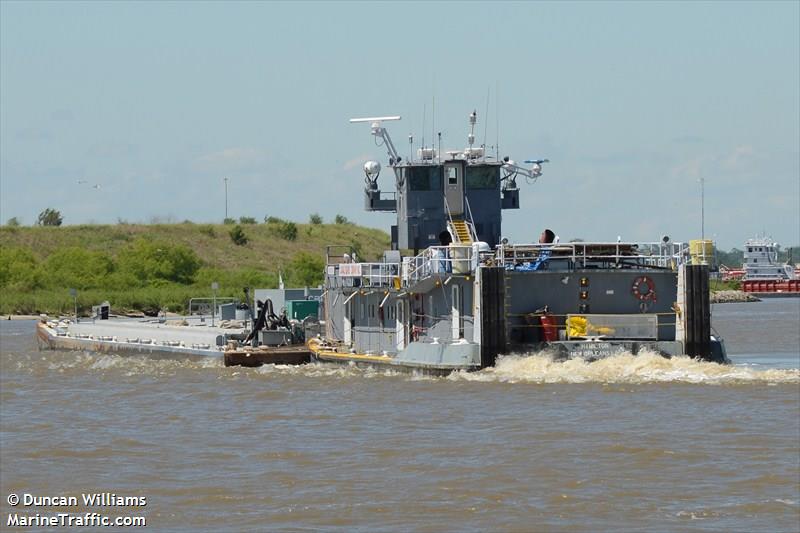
379	131
531	173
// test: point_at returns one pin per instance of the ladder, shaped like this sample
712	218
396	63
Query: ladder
461	231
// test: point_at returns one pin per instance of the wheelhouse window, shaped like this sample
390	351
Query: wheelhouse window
482	177
427	178
452	175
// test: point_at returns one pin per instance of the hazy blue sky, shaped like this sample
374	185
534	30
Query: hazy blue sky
633	102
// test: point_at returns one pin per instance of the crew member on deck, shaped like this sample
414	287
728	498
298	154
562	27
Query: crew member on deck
441	255
547	237
445	239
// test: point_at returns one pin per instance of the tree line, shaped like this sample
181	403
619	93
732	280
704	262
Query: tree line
53	217
146	275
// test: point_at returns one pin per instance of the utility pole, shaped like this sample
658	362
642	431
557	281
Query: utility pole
226	196
702	208
214	287
74	294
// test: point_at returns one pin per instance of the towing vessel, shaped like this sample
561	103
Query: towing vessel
452	294
764	274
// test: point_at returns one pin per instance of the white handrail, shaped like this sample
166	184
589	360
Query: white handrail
470	221
654	254
442	260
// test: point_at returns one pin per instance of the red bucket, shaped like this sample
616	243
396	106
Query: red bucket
549	329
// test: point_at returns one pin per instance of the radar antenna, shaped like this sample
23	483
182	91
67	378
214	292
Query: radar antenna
379	131
511	170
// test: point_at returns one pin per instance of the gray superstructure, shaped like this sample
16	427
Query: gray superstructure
761	261
452	295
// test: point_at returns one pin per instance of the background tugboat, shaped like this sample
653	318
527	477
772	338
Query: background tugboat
763	273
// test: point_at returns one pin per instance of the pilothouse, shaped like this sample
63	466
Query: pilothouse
463	188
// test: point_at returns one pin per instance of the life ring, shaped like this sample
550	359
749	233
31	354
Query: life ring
644	289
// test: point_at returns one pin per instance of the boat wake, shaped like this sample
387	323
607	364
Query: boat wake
76	362
624	368
535	368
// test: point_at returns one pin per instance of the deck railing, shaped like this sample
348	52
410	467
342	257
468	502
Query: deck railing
452	259
463	260
205	306
583	254
363	274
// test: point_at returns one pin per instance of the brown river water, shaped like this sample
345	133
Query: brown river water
626	444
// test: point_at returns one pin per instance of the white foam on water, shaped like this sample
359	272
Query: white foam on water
625	368
77	361
333	370
646	367
105	361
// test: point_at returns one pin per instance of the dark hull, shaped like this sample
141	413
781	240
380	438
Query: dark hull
278	355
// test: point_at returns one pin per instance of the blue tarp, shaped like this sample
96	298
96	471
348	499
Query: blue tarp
531	266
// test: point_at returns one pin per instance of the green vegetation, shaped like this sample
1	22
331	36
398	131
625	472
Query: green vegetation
208	230
735	257
305	269
152	267
237	235
286	230
50	217
715	285
315	219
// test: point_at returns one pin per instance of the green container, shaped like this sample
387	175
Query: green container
299	309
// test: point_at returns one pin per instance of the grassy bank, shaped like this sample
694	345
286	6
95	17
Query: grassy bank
716	285
150	267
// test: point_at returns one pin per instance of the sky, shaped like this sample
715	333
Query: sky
138	111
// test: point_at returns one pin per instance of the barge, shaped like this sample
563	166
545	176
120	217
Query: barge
230	334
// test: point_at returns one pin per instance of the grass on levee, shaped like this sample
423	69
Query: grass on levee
147	268
212	243
715	285
58	302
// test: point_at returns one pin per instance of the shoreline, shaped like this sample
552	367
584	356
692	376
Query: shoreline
730	296
716	297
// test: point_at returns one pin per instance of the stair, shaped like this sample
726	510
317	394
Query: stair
462	232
